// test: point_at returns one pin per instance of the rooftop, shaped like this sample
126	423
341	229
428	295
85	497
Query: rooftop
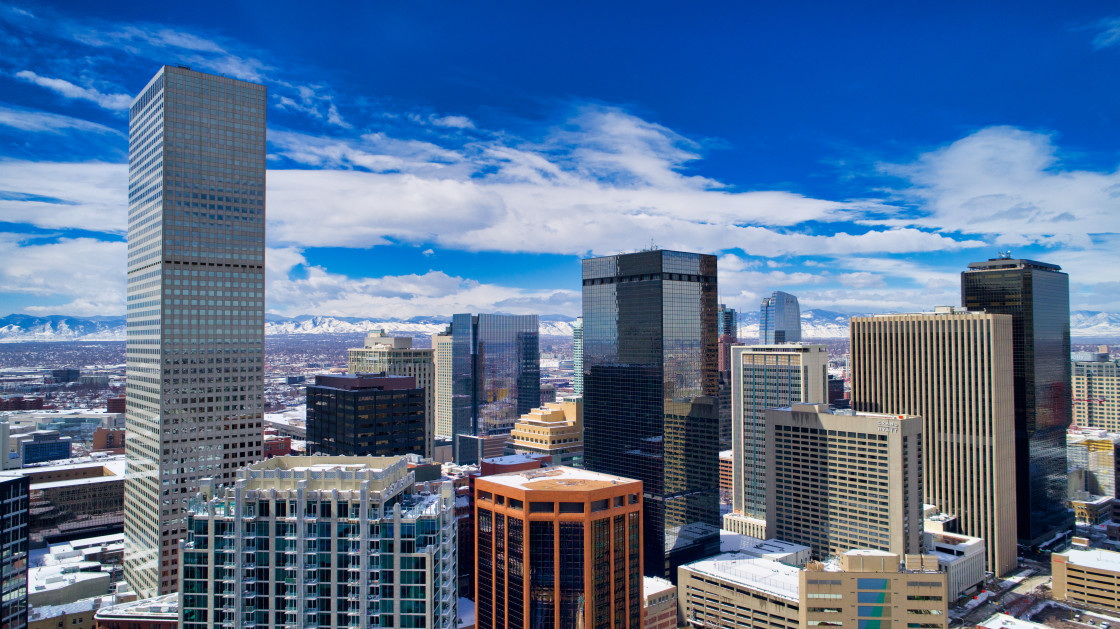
655	585
1095	558
166	606
763	575
1003	621
557	478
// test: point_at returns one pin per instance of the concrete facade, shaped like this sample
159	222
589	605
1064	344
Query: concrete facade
395	356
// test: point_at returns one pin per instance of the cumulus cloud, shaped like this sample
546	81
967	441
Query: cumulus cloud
116	102
54	270
1008	183
60	195
294	288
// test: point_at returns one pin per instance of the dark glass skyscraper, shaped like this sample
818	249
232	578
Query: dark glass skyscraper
495	372
1036	295
650	386
365	415
780	319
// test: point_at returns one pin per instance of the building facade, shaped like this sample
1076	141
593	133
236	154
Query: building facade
556	430
365	415
441	350
650	387
558	547
1092	454
876	589
1087	577
952	368
323	542
14	531
659	603
395	356
1036	295
843	481
779	319
762	377
577	356
1096	393
495	372
741	591
195	304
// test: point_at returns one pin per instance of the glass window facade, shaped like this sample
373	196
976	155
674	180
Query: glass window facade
368	420
780	319
650	393
195	304
14	534
1036	295
495	372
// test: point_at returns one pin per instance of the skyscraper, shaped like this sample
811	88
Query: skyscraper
1096	384
323	542
441	347
495	372
953	369
195	344
395	356
650	385
15	514
845	480
577	356
558	547
1036	295
780	319
728	335
365	415
762	377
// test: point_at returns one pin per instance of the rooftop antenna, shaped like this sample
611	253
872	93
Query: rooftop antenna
1005	255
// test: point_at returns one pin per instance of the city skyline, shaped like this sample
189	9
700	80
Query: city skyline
860	184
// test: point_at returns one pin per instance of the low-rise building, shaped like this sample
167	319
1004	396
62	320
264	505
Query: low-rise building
161	612
960	557
867	588
726	465
745	525
555	429
659	603
739	590
1090	510
1003	621
1088	577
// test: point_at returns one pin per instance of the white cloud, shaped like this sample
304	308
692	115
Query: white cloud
116	102
454	122
315	290
58	269
60	195
45	122
1010	184
1109	35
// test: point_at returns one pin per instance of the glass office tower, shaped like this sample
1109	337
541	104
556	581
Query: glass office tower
495	372
195	305
1036	295
649	389
780	319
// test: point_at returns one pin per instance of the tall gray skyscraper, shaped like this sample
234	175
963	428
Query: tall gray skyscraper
195	344
649	390
495	373
1036	295
780	319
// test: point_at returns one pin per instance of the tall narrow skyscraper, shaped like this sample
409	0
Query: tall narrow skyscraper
649	390
953	369
1036	295
577	356
195	344
728	335
780	319
762	377
495	373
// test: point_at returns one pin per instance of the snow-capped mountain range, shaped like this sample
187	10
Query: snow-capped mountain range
815	324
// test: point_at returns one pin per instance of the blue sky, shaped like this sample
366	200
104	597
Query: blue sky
440	157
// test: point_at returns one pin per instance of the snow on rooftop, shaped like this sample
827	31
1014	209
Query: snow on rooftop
1096	558
466	612
756	573
573	478
1003	621
655	585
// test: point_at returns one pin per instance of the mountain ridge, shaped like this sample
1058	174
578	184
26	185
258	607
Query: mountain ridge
815	324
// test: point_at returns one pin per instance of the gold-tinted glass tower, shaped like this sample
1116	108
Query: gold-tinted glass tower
953	368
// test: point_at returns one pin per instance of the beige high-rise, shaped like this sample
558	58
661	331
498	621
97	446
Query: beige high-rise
844	480
441	343
953	368
395	356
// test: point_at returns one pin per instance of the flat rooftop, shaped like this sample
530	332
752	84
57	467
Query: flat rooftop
756	573
655	585
557	478
1095	558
